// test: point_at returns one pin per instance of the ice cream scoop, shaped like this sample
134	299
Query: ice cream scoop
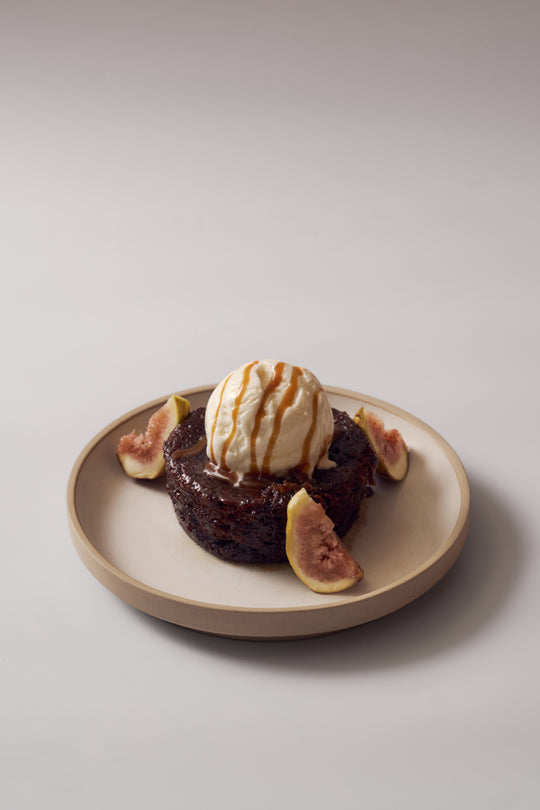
267	418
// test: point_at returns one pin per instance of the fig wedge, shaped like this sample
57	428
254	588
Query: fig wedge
389	445
315	552
141	454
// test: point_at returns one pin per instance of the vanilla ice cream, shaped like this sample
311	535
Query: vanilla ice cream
267	418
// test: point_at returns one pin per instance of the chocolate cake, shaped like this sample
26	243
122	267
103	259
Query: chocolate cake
247	523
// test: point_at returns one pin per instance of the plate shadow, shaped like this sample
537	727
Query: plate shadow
452	613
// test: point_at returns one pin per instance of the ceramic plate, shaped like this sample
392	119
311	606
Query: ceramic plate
126	533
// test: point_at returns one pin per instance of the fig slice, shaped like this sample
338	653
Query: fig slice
315	552
388	445
141	454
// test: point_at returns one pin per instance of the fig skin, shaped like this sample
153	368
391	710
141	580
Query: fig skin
389	445
141	454
316	554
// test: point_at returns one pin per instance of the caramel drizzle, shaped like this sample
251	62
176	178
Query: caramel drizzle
235	411
224	386
193	450
285	403
276	380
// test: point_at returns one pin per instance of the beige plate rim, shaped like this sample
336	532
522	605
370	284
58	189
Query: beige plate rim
257	622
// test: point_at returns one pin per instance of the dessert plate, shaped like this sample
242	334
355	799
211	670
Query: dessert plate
407	538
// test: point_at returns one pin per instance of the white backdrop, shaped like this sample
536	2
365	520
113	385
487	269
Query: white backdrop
350	186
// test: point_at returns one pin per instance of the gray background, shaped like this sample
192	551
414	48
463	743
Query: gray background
350	186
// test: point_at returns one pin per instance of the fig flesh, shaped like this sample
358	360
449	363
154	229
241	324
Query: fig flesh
315	552
141	454
389	445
